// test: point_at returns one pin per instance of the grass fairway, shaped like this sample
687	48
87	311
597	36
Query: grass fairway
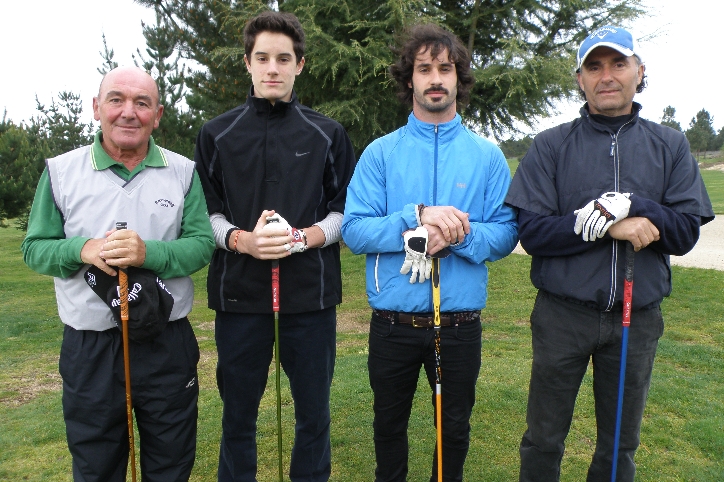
682	434
714	181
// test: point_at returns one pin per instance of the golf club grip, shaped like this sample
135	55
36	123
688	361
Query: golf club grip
628	285
123	281
436	290
275	285
123	292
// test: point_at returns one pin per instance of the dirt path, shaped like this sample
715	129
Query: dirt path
709	251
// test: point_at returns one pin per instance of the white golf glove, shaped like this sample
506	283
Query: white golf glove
300	238
416	255
594	219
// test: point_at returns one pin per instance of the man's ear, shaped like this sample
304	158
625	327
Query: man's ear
96	109
159	114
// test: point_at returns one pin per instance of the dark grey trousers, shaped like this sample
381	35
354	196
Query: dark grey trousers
566	336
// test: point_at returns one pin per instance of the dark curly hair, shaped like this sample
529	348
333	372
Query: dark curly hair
277	22
435	39
639	88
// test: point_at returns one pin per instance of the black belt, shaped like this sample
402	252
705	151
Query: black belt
427	320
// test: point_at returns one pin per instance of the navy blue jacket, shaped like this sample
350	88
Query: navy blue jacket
571	164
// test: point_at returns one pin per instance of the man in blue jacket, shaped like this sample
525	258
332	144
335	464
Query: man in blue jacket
435	182
585	189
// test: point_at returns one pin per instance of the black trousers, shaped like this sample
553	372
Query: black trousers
307	348
396	355
164	387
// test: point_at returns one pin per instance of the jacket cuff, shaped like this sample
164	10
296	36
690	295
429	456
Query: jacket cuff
409	215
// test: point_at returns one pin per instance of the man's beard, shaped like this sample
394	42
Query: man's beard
435	105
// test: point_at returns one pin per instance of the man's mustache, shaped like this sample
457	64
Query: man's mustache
436	89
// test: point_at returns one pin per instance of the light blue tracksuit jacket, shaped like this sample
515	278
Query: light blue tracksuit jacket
437	165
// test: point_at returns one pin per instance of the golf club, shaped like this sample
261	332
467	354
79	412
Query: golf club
443	253
627	295
123	295
438	371
275	308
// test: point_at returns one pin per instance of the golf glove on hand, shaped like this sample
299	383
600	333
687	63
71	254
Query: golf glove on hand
300	238
594	219
416	255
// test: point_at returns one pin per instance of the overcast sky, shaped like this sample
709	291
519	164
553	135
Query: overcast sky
49	46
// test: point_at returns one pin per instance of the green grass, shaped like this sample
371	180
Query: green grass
513	165
682	433
714	181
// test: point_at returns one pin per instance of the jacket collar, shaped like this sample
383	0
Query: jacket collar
445	131
263	106
586	116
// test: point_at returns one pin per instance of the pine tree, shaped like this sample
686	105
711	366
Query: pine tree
178	127
24	148
719	142
60	126
22	157
668	118
522	54
107	55
701	134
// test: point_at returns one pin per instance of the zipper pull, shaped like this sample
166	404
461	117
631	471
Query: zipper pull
613	144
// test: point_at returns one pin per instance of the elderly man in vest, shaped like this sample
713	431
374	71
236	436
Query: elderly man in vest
82	194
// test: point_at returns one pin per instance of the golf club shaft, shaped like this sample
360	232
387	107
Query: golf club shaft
275	308
627	297
438	370
123	295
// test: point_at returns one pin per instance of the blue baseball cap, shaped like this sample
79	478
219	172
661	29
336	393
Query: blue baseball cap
616	38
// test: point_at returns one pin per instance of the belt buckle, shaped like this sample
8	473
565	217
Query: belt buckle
415	323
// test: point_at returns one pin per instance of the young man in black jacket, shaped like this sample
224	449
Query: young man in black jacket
272	156
584	190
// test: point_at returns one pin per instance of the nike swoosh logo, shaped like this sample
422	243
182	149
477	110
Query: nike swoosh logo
302	154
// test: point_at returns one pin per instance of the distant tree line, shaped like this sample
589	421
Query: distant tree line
701	135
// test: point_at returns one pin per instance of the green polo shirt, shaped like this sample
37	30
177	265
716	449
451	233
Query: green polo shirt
47	250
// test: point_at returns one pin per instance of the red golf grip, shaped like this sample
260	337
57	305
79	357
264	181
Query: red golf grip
275	286
628	284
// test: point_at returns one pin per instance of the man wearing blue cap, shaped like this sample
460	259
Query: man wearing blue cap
584	189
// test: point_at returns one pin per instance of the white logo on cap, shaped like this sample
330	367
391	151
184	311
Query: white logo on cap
162	285
602	32
133	294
